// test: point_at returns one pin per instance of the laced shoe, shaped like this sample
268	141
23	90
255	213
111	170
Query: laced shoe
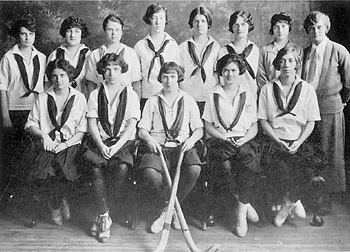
175	222
158	224
252	215
104	227
283	213
65	209
299	210
241	228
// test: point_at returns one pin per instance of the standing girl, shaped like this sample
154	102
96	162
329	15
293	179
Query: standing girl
73	30
198	56
153	50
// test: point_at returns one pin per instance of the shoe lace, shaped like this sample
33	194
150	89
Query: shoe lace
102	223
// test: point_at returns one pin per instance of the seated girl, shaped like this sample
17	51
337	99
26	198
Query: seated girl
230	119
57	123
167	121
113	111
73	30
288	110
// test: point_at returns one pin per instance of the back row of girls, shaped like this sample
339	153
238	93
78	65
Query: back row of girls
325	66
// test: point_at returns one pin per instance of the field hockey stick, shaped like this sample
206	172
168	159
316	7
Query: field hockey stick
186	232
168	217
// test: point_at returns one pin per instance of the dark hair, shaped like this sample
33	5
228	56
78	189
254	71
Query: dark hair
280	17
314	17
171	66
246	17
230	58
28	23
72	22
61	64
108	59
154	8
285	50
112	18
200	11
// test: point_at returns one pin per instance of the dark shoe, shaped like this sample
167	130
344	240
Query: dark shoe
317	221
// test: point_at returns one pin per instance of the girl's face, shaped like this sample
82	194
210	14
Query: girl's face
280	31
73	36
26	37
240	29
318	31
200	25
114	32
158	21
60	79
288	65
113	73
230	73
170	80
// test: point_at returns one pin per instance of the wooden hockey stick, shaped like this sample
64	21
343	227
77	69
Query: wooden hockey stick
169	214
186	232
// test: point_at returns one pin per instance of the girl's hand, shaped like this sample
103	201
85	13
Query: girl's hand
105	151
294	147
240	142
113	149
7	123
60	147
154	146
283	145
48	144
187	145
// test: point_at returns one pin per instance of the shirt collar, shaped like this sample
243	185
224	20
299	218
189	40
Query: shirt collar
321	46
166	37
210	40
249	42
64	47
179	96
72	91
296	81
218	89
15	50
104	48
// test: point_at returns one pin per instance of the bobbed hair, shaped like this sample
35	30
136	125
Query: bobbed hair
61	64
111	59
28	23
171	66
280	17
154	8
230	58
112	18
246	17
200	11
285	50
72	22
314	17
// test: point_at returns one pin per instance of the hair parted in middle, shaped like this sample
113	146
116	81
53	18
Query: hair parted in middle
154	8
171	66
246	17
72	22
284	51
111	59
112	18
200	11
230	58
27	22
61	64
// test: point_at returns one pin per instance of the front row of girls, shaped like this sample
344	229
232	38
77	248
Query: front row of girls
171	123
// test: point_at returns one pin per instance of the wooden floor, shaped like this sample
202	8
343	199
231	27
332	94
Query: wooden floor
334	236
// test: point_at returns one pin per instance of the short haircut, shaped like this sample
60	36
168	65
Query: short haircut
61	64
285	50
171	66
315	17
112	18
200	11
72	22
246	17
111	59
28	23
280	17
230	58
154	8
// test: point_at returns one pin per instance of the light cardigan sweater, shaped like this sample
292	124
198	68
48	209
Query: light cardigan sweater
334	84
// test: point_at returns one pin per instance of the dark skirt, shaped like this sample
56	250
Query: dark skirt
91	154
64	164
149	159
248	155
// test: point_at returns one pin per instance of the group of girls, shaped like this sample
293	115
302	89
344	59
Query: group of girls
185	93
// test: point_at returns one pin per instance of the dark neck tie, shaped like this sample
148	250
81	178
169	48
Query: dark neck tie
156	54
22	70
194	57
293	100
